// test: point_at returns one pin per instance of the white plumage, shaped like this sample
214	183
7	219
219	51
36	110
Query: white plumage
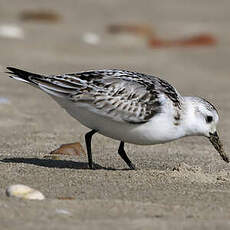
127	106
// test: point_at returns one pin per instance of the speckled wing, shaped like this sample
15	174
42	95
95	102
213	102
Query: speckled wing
116	94
121	100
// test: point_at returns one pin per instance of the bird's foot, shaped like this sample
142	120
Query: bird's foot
92	166
132	166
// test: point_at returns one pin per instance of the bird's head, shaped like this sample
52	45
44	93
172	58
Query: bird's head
202	120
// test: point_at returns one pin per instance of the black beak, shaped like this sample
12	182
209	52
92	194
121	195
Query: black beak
215	140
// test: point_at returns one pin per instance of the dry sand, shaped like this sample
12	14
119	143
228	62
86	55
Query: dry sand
179	185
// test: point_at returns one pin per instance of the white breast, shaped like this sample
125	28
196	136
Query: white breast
159	129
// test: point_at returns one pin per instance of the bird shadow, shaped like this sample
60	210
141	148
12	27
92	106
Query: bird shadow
50	163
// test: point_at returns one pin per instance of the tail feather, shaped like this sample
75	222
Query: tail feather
22	75
50	85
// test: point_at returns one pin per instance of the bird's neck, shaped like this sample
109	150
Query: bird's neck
190	123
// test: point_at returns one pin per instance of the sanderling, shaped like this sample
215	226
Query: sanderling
128	106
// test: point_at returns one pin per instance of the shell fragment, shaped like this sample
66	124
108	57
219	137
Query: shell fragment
24	191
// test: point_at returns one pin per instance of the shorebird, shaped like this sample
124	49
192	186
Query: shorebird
128	106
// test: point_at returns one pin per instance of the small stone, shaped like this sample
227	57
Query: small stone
63	211
11	31
24	191
48	16
183	167
91	38
222	178
137	29
66	198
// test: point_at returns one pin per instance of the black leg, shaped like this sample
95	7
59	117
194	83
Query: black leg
123	155
88	138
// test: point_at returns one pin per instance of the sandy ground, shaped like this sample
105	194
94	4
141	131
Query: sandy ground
194	196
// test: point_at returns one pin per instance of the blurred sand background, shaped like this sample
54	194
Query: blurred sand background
179	185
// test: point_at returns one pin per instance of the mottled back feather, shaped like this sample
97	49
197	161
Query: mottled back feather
121	95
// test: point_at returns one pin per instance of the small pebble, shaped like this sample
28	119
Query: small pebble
47	15
24	191
222	178
91	38
66	198
136	29
182	167
63	211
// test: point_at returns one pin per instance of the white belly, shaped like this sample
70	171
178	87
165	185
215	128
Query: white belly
157	130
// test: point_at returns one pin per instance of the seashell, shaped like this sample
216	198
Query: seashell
11	31
48	16
70	149
196	40
24	191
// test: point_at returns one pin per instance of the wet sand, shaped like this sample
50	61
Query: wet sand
179	185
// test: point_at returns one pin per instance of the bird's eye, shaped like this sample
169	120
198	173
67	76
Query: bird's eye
209	119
